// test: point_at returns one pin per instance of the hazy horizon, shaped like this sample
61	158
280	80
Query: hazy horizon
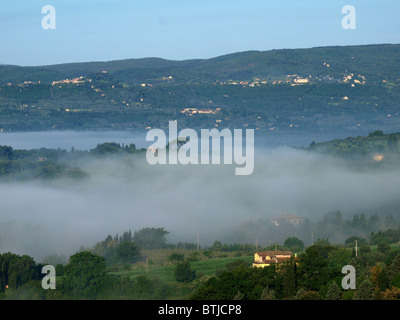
196	58
207	28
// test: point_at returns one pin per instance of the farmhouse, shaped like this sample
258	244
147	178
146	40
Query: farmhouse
266	258
288	218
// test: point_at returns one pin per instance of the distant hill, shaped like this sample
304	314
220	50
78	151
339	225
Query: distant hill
375	147
373	61
351	88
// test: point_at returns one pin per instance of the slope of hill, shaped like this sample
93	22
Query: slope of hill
352	88
374	61
376	147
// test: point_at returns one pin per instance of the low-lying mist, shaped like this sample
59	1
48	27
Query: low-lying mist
126	193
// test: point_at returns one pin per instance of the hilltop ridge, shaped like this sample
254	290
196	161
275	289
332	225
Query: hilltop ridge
323	89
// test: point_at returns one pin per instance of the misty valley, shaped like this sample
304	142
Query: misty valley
192	232
200	158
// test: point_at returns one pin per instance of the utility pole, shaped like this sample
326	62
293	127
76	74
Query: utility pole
256	243
197	241
312	238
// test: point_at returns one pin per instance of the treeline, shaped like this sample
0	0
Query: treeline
128	247
17	270
84	277
376	143
333	226
315	275
47	163
388	236
106	148
233	247
85	274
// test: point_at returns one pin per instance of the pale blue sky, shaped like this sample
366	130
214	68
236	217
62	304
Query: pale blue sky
99	30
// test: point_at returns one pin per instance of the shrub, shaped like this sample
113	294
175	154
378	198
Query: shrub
183	272
174	257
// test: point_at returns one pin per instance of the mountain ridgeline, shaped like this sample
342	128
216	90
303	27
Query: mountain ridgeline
374	61
352	88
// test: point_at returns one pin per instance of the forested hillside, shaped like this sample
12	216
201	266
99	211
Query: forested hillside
354	88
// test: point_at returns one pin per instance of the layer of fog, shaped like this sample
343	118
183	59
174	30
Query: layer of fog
40	219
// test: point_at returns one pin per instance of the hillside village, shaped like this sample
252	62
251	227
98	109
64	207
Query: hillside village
306	90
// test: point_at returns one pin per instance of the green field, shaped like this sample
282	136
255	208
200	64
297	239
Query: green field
166	273
393	247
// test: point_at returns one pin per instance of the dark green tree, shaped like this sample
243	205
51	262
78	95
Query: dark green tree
383	247
151	238
289	278
236	264
106	148
59	270
127	251
17	270
126	237
337	258
313	267
365	249
175	257
334	292
149	288
31	290
183	272
294	244
365	291
6	153
394	269
217	246
376	133
84	276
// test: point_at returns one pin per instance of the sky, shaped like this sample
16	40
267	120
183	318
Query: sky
100	30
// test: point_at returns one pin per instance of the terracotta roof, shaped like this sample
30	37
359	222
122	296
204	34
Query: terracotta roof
267	261
274	253
282	259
